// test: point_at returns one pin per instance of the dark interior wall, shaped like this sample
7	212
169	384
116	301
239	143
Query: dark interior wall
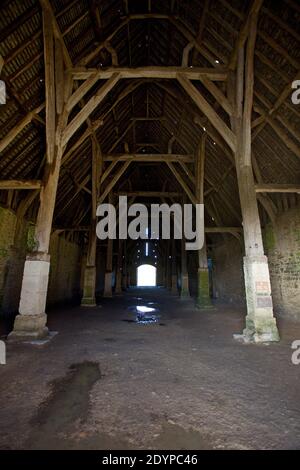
15	241
227	271
282	245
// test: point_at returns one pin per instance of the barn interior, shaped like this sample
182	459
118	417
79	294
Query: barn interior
169	102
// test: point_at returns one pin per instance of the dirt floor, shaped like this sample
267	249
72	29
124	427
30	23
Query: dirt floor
179	380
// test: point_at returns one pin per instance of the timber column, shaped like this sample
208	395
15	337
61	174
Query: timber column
260	322
174	287
184	293
32	319
119	272
89	286
109	263
90	273
203	291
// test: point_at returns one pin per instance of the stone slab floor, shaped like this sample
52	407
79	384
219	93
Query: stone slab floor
181	383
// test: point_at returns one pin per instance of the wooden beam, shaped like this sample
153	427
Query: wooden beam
152	157
89	108
217	94
49	84
249	88
242	37
194	73
277	188
12	134
46	6
210	113
113	182
223	229
182	183
20	184
154	194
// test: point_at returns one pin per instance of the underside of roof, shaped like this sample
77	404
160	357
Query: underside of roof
146	115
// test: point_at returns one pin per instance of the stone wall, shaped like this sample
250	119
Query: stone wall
15	241
282	245
227	270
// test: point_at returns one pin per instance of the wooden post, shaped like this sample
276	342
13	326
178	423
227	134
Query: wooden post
119	271
109	263
203	291
90	275
184	292
32	319
260	321
174	286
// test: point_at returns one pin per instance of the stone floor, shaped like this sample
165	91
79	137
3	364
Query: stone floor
179	381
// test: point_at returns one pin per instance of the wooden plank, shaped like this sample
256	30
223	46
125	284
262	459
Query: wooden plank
20	184
210	113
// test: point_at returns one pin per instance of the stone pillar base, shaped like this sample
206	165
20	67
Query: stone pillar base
31	322
185	293
29	327
108	285
203	296
89	299
260	322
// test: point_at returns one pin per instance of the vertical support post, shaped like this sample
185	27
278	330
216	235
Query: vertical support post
90	273
32	319
184	293
124	267
174	286
203	292
109	264
260	322
119	273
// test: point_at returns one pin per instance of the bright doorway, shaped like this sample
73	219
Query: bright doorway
146	276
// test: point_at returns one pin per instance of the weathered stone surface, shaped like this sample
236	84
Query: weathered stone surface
260	321
29	327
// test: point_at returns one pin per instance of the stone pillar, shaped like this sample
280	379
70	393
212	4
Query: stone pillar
30	324
260	321
184	293
203	289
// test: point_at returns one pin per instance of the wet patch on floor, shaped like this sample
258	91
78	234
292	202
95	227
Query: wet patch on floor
67	405
175	437
145	314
